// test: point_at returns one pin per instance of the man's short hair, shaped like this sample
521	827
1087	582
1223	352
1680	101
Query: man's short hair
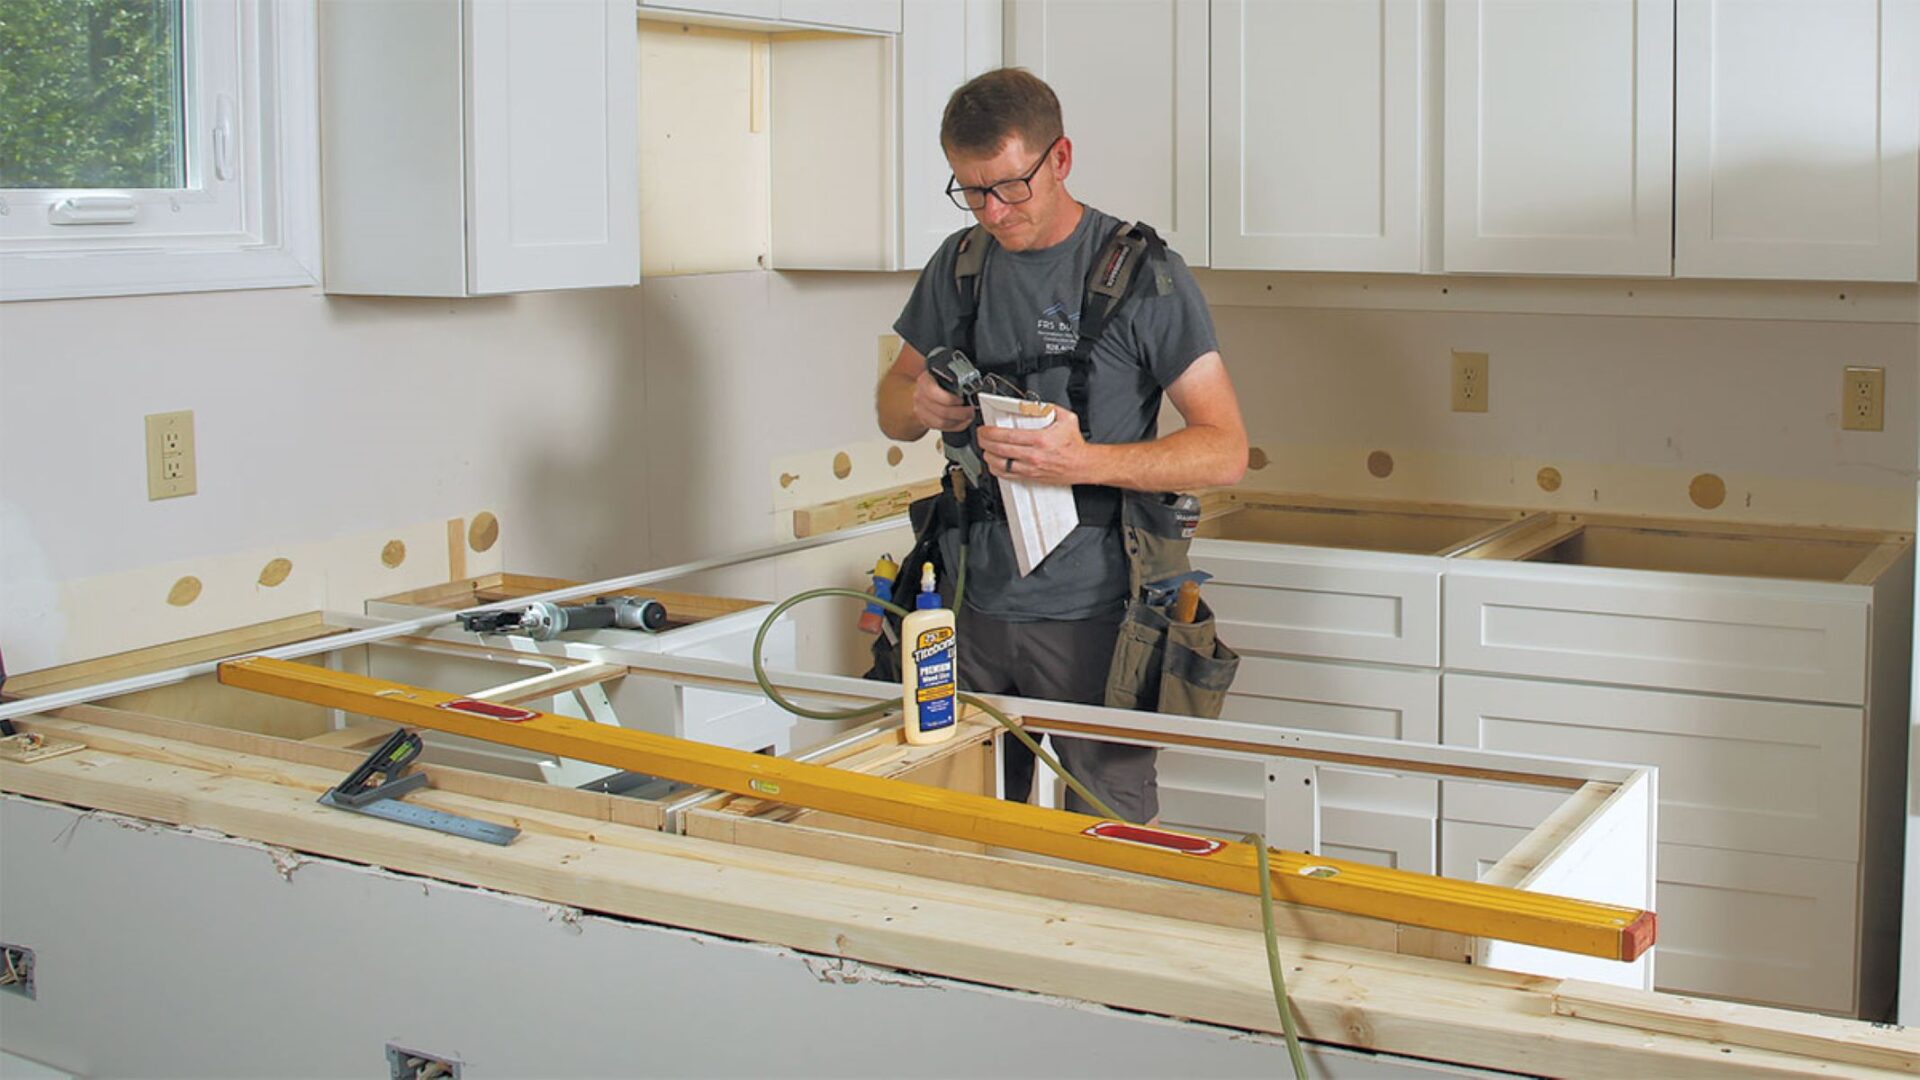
982	114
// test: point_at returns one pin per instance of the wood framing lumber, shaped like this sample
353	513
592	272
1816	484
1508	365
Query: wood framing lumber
101	724
1602	930
860	509
1829	1038
154	658
989	870
1165	966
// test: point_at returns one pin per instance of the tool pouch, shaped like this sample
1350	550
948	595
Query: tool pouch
1157	533
930	517
1160	665
1163	666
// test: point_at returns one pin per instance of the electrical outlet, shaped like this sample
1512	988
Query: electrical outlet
1863	399
170	461
16	970
1469	381
404	1064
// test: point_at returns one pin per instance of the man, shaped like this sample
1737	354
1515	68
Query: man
1051	633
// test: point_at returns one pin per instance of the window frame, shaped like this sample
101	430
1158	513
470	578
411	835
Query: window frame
251	67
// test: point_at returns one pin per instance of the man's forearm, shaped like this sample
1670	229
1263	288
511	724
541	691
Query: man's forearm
894	404
1193	457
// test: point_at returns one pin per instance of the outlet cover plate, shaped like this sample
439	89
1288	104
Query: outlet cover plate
171	471
1469	381
1863	399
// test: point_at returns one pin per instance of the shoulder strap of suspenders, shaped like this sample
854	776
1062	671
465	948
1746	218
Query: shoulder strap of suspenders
968	263
1110	282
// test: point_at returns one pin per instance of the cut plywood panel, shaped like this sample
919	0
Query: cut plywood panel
703	208
834	197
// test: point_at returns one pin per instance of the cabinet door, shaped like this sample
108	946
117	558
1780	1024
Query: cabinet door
1559	137
553	144
943	43
1316	135
1132	80
1797	139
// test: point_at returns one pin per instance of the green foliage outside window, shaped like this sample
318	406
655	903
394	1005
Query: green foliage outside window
90	94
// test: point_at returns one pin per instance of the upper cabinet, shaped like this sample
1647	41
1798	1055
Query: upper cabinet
1132	80
485	146
1798	129
1316	135
1559	137
943	43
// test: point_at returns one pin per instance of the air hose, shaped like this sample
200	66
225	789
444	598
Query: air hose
879	708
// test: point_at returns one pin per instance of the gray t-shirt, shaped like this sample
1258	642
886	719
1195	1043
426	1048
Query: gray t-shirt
1030	306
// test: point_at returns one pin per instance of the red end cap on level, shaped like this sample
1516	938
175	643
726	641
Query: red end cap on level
1638	936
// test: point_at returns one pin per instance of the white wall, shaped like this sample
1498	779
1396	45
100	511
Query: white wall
609	430
1628	410
620	429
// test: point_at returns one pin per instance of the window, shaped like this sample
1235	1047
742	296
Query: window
156	146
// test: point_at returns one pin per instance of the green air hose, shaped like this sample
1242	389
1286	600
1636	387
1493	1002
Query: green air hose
879	708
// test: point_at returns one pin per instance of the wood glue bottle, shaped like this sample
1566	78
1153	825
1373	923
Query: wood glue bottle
929	669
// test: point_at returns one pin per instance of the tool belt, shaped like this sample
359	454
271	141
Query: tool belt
1160	665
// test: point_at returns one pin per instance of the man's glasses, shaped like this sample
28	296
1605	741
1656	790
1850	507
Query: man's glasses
1009	192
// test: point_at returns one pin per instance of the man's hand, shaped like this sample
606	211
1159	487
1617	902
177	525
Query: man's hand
937	409
1055	454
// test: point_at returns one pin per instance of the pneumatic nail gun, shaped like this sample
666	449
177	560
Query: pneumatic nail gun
952	369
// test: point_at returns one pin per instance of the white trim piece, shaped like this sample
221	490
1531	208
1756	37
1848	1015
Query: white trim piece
1794	301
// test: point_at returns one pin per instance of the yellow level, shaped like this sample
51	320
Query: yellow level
1463	907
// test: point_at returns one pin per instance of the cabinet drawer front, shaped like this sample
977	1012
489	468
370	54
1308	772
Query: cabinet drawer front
1763	928
1673	636
1340	612
1757	927
1762	776
1380	703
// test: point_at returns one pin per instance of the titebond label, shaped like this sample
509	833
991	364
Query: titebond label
933	677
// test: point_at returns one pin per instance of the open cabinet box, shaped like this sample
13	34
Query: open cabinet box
1368	525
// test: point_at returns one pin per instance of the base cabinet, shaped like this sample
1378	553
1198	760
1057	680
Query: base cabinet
1760	818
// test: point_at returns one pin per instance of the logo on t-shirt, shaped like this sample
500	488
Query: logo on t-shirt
1059	330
